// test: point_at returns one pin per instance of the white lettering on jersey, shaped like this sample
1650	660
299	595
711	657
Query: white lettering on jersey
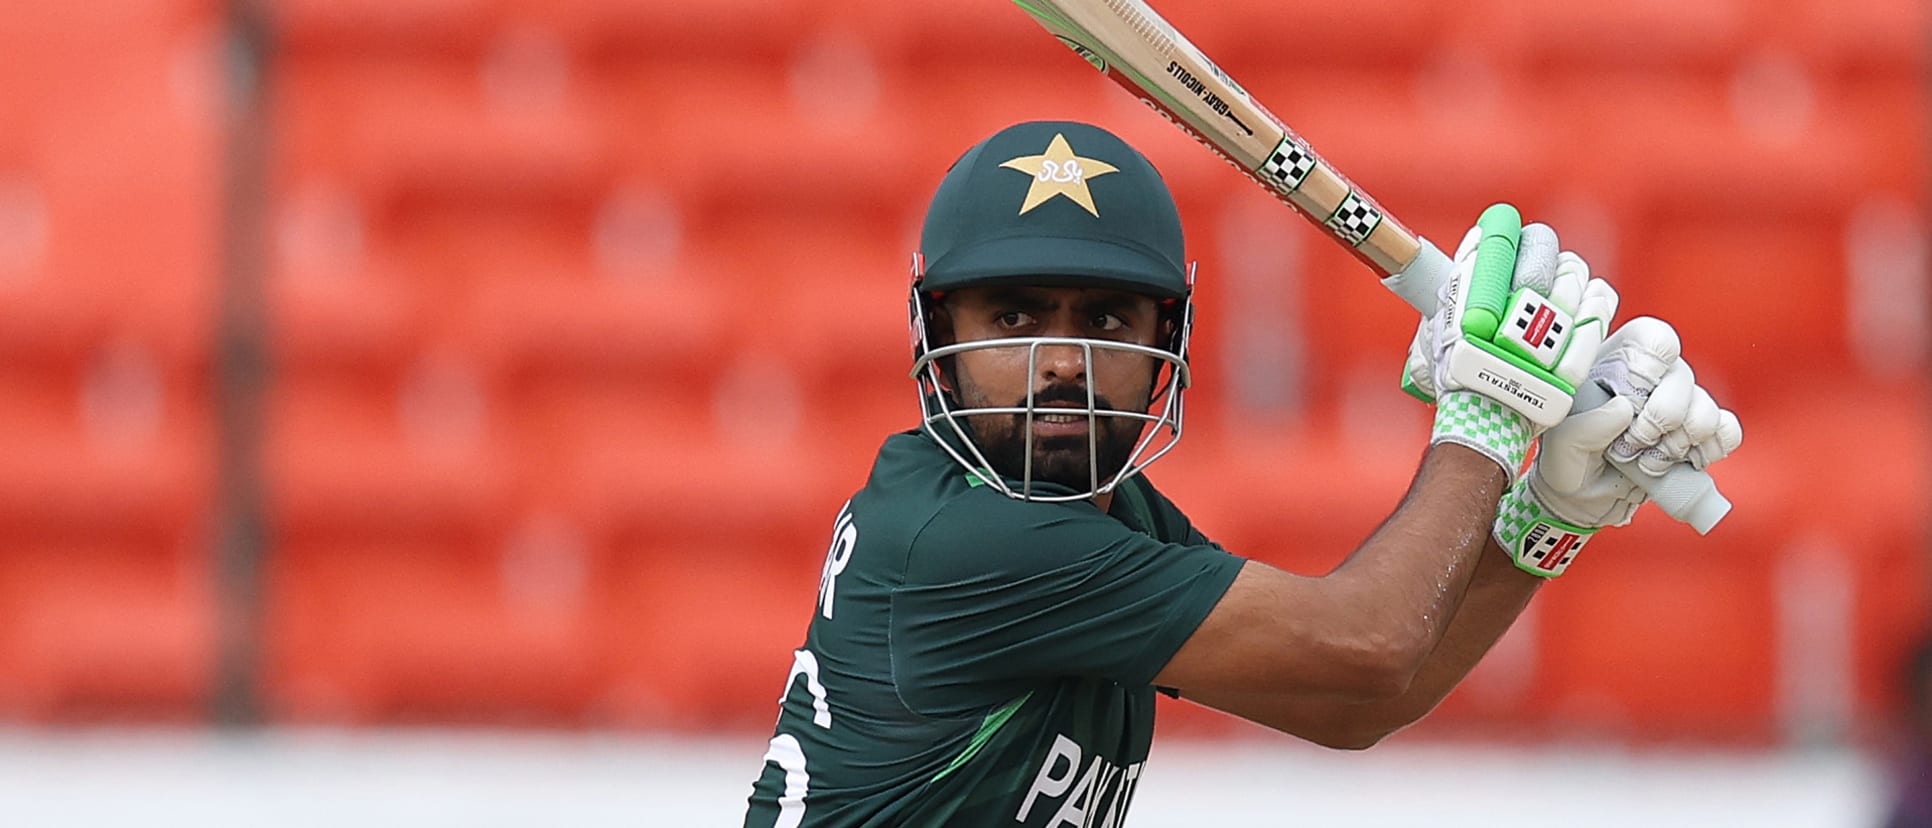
1098	800
1122	795
1073	812
1046	782
790	758
845	536
785	750
803	662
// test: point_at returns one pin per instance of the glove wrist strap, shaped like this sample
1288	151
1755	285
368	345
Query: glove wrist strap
1537	541
1485	425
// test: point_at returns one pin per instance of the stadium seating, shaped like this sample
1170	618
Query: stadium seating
109	181
437	627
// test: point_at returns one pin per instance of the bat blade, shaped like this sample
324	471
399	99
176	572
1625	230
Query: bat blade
1140	51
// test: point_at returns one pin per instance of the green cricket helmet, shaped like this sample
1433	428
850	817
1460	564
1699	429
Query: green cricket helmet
1053	204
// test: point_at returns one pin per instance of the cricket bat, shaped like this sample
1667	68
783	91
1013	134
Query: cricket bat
1133	45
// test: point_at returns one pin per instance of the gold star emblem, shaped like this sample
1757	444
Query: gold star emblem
1058	172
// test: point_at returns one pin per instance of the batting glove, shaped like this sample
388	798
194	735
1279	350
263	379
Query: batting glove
1658	417
1502	369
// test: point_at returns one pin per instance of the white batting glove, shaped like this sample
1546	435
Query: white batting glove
1495	395
1657	416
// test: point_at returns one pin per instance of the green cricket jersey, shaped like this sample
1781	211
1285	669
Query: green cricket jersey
978	660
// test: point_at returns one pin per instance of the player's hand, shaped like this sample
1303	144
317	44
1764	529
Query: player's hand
1496	385
1659	417
1677	420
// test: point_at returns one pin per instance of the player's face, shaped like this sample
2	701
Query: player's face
1058	375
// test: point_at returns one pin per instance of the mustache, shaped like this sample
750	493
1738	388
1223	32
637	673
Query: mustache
1073	394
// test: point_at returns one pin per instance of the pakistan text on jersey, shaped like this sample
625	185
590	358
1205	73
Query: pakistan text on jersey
1095	798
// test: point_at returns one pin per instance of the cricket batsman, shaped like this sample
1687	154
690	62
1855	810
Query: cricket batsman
1008	591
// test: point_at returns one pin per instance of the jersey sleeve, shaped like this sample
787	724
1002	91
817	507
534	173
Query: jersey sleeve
999	595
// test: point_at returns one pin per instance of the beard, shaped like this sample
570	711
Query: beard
1064	460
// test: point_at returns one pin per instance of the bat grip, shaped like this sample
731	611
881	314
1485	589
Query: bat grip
1685	493
1494	268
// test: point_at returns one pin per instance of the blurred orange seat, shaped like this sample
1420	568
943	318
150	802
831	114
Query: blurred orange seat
728	461
432	125
403	25
49	322
965	104
397	453
1663	634
1865	34
824	293
1858	463
361	318
1889	606
101	137
1780	289
59	24
115	444
455	626
1606	32
106	488
1892	122
1639	643
1698	145
106	627
1297	496
788	141
1246	35
745	28
935	38
697	631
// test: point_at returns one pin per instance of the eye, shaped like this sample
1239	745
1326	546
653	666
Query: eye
1109	322
1013	319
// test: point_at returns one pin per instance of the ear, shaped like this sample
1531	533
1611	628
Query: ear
939	323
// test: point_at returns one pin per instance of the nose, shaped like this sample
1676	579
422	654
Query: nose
1060	363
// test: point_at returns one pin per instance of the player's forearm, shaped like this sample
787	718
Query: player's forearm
1496	595
1412	575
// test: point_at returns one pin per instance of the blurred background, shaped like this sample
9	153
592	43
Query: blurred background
448	401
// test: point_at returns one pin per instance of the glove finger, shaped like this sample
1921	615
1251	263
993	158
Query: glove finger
1418	367
1599	301
1450	294
1572	273
1729	435
1700	423
1664	411
1593	315
1467	247
1536	253
1572	451
1636	356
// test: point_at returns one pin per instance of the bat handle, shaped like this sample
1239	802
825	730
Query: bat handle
1418	282
1684	493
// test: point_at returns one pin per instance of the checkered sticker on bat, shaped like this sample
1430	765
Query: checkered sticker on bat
1354	220
1288	165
